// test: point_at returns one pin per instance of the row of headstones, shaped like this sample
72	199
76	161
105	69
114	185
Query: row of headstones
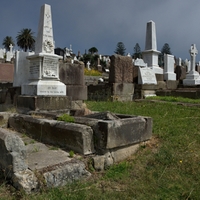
146	74
9	54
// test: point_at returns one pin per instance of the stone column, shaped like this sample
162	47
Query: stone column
150	55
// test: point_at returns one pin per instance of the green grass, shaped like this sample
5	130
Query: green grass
168	167
174	99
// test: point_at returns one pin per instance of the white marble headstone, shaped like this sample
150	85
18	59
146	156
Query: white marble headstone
8	56
146	75
21	69
169	67
178	62
2	53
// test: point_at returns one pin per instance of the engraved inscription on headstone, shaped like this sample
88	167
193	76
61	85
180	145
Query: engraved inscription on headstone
50	90
34	69
50	67
146	76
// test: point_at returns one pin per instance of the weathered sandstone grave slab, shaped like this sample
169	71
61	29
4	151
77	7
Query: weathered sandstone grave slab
115	130
76	137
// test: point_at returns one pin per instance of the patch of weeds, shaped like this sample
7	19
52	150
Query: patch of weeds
90	164
41	180
118	171
66	118
71	154
12	110
53	148
32	141
36	149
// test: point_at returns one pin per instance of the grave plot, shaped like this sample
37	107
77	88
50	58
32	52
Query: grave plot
105	137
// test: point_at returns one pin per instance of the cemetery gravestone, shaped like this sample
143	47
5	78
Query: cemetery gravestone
150	55
121	69
1	54
8	56
192	78
178	62
21	70
146	75
169	67
88	65
44	65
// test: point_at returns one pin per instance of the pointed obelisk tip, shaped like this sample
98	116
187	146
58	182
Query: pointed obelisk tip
44	41
151	21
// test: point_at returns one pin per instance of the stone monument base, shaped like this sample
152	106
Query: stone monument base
192	78
44	87
169	76
191	81
27	103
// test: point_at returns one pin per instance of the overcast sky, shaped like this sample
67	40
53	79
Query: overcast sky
104	23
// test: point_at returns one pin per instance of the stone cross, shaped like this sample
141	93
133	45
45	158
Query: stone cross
88	65
193	52
11	46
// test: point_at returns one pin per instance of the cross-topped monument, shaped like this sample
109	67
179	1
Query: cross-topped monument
44	65
11	47
193	52
192	78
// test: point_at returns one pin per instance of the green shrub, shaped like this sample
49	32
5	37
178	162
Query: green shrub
71	154
66	118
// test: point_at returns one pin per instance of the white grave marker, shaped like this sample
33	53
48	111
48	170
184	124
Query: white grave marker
192	78
146	75
2	53
150	55
169	67
44	65
88	65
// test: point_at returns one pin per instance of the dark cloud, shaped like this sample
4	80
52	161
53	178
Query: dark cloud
102	24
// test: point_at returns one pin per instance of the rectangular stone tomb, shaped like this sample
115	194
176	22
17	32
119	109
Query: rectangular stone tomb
146	76
114	130
76	137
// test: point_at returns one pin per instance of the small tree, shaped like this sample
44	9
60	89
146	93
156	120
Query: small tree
137	52
7	41
93	50
120	49
165	50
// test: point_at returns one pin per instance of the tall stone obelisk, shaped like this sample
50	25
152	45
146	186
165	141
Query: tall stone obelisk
150	54
44	64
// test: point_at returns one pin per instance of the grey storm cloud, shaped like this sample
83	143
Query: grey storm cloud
104	23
